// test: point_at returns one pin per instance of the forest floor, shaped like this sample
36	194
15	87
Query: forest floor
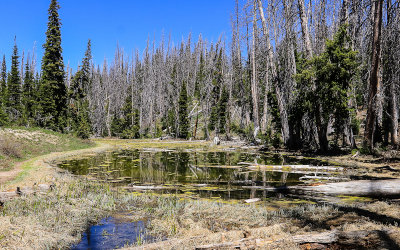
57	218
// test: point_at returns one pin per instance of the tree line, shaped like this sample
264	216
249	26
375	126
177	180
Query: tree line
311	76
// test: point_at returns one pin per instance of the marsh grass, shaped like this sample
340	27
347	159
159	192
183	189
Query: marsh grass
57	219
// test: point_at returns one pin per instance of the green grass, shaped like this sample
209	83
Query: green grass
20	143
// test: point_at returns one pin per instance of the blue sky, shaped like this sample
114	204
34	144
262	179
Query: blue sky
106	22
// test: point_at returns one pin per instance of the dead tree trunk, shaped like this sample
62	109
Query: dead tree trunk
254	92
304	29
374	80
281	101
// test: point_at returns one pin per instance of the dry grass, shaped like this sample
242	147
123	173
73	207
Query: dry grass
10	147
56	220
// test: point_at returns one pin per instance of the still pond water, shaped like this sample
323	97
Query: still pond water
223	175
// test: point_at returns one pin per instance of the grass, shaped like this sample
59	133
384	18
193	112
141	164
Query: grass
58	218
18	144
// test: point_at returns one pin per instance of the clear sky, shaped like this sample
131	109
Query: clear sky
106	22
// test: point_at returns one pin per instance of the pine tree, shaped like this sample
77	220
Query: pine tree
14	87
216	82
183	113
84	128
199	78
332	72
223	110
3	93
3	82
129	122
79	107
28	96
53	92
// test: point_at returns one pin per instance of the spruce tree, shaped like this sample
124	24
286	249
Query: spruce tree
199	78
183	113
3	93
14	87
129	122
53	92
79	105
3	82
216	82
28	96
332	72
222	110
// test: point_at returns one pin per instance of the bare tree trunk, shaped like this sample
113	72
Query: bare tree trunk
304	29
281	101
254	92
344	15
374	81
394	114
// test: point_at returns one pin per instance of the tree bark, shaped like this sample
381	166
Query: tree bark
280	99
374	81
304	29
254	92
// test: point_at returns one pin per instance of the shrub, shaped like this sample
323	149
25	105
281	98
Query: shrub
10	148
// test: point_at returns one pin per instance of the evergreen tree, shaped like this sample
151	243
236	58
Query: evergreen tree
216	82
82	79
3	93
199	78
84	128
53	92
3	82
183	113
28	96
79	105
332	72
14	87
222	110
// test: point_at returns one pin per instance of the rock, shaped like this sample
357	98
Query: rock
252	200
216	141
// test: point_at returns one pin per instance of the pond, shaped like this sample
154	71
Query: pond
110	233
215	175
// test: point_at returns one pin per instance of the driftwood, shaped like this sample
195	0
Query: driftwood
357	239
330	178
350	239
147	187
375	188
252	200
246	243
24	191
293	167
360	188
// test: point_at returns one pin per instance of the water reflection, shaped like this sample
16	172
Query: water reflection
224	173
112	234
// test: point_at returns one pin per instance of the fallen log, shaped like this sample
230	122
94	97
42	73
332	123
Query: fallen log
329	178
247	243
147	187
294	167
349	239
373	188
252	200
25	191
360	188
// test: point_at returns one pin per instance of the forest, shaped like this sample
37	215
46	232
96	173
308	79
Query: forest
317	75
280	134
